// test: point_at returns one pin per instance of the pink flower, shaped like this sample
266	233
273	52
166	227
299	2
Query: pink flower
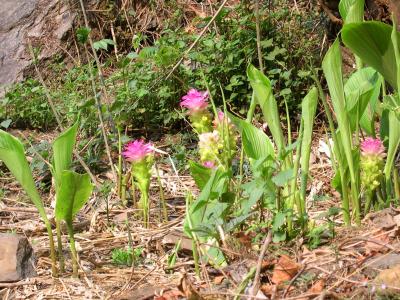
195	100
209	164
219	119
137	150
372	147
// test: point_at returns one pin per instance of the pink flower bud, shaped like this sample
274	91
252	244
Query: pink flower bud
372	147
137	150
195	100
209	164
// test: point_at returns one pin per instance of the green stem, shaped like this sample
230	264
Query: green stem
249	117
293	194
289	127
196	258
119	171
123	189
162	197
144	205
245	282
133	187
337	152
356	201
345	197
74	255
60	248
52	248
368	202
396	184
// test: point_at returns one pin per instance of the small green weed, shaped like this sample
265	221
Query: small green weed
126	257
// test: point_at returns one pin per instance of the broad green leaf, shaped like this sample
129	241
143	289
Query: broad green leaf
13	156
367	121
75	190
205	211
283	177
63	147
352	10
396	48
265	98
394	141
214	188
279	221
332	67
309	108
372	42
255	189
361	89
256	143
200	174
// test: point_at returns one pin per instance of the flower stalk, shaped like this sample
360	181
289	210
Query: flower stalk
141	157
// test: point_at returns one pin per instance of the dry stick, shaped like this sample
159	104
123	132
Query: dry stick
329	12
256	282
53	108
100	116
258	32
115	42
103	88
19	283
197	40
293	280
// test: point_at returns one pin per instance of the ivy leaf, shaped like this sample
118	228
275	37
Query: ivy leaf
103	44
6	123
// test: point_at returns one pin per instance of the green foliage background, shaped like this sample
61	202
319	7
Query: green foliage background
141	95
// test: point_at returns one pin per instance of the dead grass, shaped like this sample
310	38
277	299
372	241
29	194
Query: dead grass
339	268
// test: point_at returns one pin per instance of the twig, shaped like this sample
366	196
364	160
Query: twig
115	42
104	91
19	283
197	39
330	14
350	280
372	240
293	280
256	282
65	288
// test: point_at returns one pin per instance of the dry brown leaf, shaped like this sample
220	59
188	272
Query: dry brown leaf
377	244
170	295
284	270
218	279
187	288
317	287
268	289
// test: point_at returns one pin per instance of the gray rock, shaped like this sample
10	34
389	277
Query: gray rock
45	22
16	258
385	261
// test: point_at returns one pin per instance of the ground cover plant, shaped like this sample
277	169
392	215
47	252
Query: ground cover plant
243	210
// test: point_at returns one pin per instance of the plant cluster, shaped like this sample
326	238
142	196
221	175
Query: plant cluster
227	201
72	189
273	194
359	152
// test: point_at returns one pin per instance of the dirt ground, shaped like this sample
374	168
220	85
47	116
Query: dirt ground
349	265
